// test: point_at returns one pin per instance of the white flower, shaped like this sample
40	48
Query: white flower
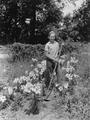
69	76
26	72
16	80
27	88
61	61
22	78
68	64
41	72
27	21
10	90
76	76
21	66
22	87
37	75
4	88
70	69
63	68
65	85
36	70
2	98
60	88
31	65
44	68
15	87
34	77
34	60
43	63
31	74
63	56
39	65
37	88
33	88
14	93
73	60
28	79
38	91
54	73
29	85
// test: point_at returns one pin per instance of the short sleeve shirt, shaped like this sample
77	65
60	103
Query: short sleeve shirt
52	49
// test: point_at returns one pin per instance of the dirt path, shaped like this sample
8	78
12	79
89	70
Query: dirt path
46	113
4	65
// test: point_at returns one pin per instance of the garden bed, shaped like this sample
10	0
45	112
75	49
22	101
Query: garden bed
74	102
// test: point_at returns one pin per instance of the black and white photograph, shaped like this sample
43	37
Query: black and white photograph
44	59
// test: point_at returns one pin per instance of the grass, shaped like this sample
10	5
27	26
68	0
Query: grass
79	105
21	62
22	54
21	58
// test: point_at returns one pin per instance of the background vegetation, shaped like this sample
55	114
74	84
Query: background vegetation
30	21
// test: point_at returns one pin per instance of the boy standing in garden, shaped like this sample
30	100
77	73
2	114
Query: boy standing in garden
52	56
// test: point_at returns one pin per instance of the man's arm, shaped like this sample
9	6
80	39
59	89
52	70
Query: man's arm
54	59
46	50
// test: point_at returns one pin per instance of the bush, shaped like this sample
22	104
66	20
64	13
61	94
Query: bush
22	51
27	51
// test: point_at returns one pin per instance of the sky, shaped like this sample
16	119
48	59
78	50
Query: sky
70	7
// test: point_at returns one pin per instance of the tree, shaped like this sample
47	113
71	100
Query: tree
75	21
30	21
39	14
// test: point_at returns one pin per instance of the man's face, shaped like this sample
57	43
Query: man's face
52	37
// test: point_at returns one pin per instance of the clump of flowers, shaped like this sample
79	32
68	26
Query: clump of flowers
28	84
32	82
69	71
2	98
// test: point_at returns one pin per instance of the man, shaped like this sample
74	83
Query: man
52	56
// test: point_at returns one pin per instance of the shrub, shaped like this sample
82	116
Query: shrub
22	51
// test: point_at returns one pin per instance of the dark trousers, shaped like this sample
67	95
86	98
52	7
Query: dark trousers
50	65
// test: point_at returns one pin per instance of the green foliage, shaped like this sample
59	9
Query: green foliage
25	51
72	101
33	107
20	51
17	102
75	102
13	17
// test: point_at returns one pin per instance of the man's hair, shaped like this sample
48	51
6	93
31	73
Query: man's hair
51	32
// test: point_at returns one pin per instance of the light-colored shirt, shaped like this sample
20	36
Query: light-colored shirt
52	49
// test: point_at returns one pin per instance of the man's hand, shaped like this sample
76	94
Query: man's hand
63	43
54	59
61	61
